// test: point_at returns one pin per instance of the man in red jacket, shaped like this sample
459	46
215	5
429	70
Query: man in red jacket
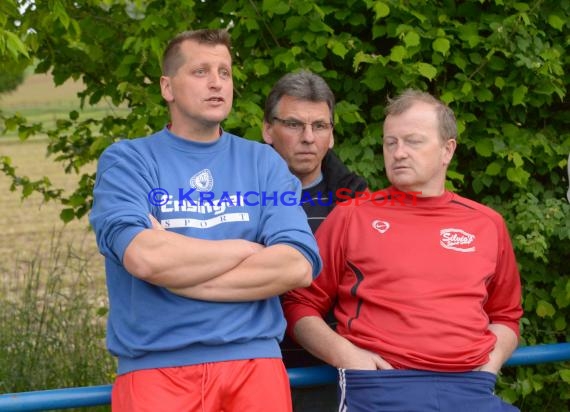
423	282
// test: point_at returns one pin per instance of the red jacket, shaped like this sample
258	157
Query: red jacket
416	280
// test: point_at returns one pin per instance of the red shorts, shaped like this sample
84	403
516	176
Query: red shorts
255	385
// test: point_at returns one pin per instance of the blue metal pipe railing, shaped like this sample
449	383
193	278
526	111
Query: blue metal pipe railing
299	377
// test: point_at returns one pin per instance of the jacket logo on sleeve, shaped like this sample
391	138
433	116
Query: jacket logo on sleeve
203	181
457	239
381	226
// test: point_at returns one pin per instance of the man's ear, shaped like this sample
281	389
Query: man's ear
266	132
166	89
450	146
331	143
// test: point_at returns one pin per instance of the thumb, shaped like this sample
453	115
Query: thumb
155	223
381	363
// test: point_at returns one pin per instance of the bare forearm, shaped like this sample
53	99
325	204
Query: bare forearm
271	272
172	260
504	347
320	340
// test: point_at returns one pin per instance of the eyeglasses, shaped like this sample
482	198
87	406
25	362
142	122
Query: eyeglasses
295	126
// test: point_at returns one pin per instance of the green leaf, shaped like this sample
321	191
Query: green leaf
14	45
427	70
102	311
453	175
508	395
348	113
545	309
556	21
412	39
447	97
499	82
517	160
459	61
518	176
484	95
337	47
484	147
67	215
521	6
560	323
260	68
59	11
381	10
398	53
466	88
374	78
361	57
441	45
519	95
275	7
494	168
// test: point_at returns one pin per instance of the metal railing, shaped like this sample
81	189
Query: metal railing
299	377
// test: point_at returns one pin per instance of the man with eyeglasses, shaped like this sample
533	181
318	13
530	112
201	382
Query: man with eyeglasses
298	123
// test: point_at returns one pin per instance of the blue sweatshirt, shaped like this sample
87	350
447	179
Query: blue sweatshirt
228	189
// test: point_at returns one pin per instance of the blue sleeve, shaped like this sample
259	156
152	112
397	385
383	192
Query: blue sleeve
120	205
284	221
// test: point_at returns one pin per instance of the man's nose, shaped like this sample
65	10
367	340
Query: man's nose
214	80
308	136
400	150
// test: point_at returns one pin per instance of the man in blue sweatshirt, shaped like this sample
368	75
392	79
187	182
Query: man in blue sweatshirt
201	232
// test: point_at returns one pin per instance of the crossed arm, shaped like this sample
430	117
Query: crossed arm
217	270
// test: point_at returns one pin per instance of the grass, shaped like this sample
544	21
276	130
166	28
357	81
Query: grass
52	282
53	323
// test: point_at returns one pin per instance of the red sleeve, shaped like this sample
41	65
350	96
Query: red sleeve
504	290
319	297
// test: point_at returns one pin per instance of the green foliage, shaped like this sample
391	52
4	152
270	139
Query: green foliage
13	51
11	78
500	64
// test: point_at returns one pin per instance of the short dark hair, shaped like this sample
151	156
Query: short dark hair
445	116
303	85
172	59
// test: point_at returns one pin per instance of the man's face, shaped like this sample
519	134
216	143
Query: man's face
302	147
200	93
415	157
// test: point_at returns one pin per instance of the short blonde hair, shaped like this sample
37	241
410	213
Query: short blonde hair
445	116
172	59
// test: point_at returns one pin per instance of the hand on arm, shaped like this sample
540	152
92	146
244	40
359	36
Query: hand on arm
172	260
270	272
319	339
504	347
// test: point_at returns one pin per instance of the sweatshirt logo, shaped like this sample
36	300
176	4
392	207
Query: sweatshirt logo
203	181
381	226
457	239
